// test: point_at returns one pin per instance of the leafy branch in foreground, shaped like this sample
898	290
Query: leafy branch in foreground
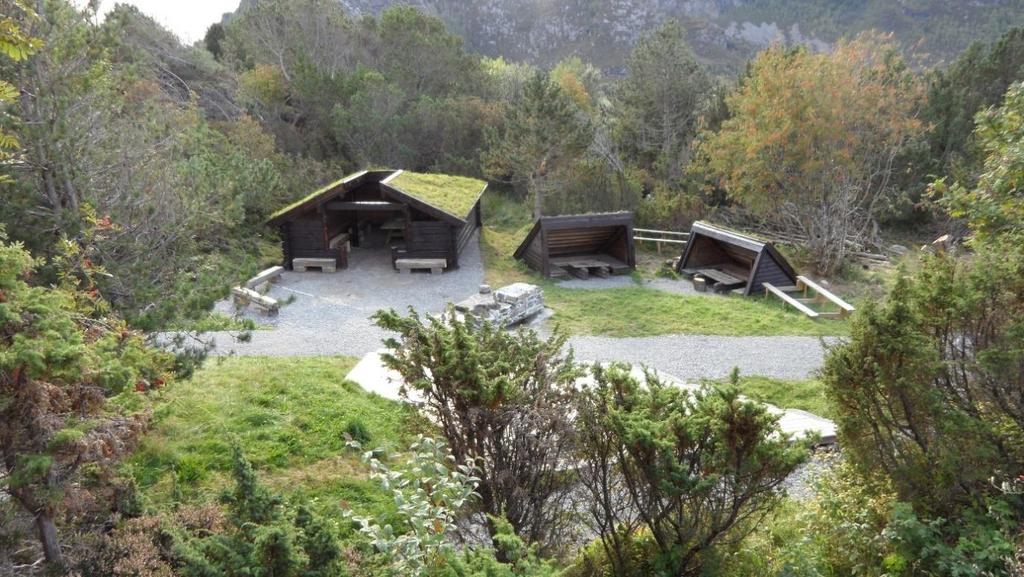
429	491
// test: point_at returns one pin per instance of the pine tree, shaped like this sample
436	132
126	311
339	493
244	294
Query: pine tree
61	359
251	501
319	544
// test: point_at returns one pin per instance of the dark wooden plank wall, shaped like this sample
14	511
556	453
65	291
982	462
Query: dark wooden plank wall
708	251
769	271
615	241
427	239
465	234
534	255
579	241
305	239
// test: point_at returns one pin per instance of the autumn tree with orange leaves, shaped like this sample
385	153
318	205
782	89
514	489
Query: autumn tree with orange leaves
813	140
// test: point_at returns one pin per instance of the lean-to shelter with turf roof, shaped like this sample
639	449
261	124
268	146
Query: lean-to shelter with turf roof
580	245
404	215
729	260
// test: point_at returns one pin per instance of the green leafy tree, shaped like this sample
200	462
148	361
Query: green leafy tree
502	401
422	57
213	40
993	206
693	469
16	45
544	132
812	141
61	361
430	491
976	80
661	100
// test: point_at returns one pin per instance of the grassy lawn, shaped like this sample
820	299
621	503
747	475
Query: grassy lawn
807	395
637	310
640	311
289	416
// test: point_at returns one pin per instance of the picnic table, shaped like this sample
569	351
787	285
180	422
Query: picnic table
395	229
722	280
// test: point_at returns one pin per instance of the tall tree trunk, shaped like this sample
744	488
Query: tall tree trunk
538	197
48	537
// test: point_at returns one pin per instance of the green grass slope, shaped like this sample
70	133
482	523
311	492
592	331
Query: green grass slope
289	415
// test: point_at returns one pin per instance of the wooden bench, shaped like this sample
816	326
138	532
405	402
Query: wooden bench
582	268
784	297
246	296
324	264
407	265
272	274
823	295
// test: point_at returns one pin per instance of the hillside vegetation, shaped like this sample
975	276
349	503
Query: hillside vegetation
137	176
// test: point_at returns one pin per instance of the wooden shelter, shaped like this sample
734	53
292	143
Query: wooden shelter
415	216
580	245
729	261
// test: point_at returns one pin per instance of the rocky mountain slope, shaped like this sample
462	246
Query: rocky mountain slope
723	32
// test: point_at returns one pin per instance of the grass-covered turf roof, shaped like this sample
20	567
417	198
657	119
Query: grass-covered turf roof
455	195
310	196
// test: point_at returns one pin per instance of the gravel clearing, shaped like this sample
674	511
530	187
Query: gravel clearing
694	357
329	313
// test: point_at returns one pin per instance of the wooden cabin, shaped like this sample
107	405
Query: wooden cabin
403	214
580	245
728	260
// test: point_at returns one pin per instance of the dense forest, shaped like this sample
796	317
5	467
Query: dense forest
136	175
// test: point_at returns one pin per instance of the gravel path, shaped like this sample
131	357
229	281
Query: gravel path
692	357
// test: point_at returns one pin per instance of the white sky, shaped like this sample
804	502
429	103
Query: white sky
189	19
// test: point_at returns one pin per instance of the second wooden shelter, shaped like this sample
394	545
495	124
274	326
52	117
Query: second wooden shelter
580	245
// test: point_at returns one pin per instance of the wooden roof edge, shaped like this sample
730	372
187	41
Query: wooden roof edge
479	196
625	214
392	176
726	235
523	246
313	198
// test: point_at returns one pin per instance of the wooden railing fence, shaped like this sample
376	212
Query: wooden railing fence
660	237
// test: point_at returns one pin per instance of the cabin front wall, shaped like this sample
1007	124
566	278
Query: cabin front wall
304	238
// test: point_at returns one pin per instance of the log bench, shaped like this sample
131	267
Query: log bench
272	274
407	265
324	264
247	296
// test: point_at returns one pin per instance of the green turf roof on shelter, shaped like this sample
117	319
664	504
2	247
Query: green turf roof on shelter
455	195
314	194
